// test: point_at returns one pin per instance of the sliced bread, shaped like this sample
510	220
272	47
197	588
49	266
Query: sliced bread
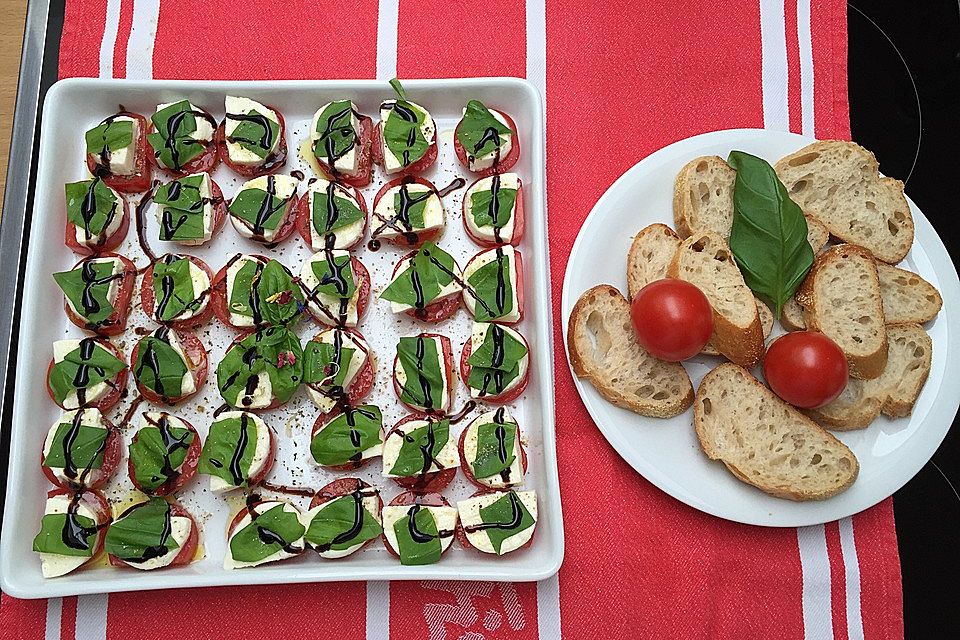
839	183
841	299
893	393
705	260
649	256
765	442
791	316
766	324
603	349
703	196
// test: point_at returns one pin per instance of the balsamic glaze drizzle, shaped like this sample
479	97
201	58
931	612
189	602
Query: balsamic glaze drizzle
400	221
516	516
88	209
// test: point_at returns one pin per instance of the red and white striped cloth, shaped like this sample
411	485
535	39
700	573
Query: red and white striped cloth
622	78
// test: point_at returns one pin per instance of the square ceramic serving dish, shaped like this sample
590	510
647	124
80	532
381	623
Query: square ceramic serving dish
72	107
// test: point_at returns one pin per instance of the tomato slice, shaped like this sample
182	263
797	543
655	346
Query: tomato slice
271	164
206	162
448	369
427	482
502	398
304	220
410	498
148	298
468	470
462	534
108	244
519	224
340	488
364	171
413	238
362	280
196	362
186	552
95	478
116	386
435	311
186	472
518	284
505	164
421	165
116	322
139	180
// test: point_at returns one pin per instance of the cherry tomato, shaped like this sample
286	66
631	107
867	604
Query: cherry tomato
805	368
673	319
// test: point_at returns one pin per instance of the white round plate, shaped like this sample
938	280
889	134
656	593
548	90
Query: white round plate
666	452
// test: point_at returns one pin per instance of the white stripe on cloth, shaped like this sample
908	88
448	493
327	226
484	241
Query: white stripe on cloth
815	568
143	34
773	42
805	44
54	611
387	39
548	608
109	40
851	569
378	610
92	617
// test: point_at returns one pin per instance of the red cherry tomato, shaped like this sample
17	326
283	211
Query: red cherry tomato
806	369
673	319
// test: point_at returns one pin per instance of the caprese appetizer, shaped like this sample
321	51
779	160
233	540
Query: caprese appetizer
423	375
253	291
169	365
261	369
331	215
190	209
486	140
495	363
71	530
346	438
151	535
182	139
118	152
344	517
338	368
176	291
81	450
426	285
408	212
405	139
86	373
264	209
97	292
419	454
340	144
491	451
163	454
419	527
252	138
239	451
493	285
336	286
264	531
493	210
497	522
98	217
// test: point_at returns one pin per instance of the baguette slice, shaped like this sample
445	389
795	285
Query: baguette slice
604	350
791	316
841	298
705	260
894	393
765	442
839	183
766	324
649	256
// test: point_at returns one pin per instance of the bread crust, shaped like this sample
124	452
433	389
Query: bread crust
635	259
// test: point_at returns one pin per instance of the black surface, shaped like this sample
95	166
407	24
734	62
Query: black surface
885	117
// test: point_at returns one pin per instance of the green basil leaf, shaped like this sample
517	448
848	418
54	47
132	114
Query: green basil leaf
402	133
413	552
493	289
325	365
258	353
337	135
159	367
171	140
332	211
432	269
182	207
502	512
398	88
423	367
242	300
769	235
251	545
258	208
487	214
156	458
229	449
91	205
491	381
173	288
50	538
257	136
335	526
88	289
336	280
83	368
497	341
420	448
267	293
111	135
479	130
142	533
491	438
86	450
339	441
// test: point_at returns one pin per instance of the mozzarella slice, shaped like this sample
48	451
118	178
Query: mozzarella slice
487	232
358	358
187	385
451	289
506	144
428	128
477	337
61	349
201	283
385	211
89	418
469	510
445	517
242	106
344	236
180	528
370	502
53	565
326	308
446	459
486	257
285	187
401	375
205	192
261	453
348	163
281	554
122	162
94	241
471	440
111	290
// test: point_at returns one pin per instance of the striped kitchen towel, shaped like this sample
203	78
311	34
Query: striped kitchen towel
621	78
